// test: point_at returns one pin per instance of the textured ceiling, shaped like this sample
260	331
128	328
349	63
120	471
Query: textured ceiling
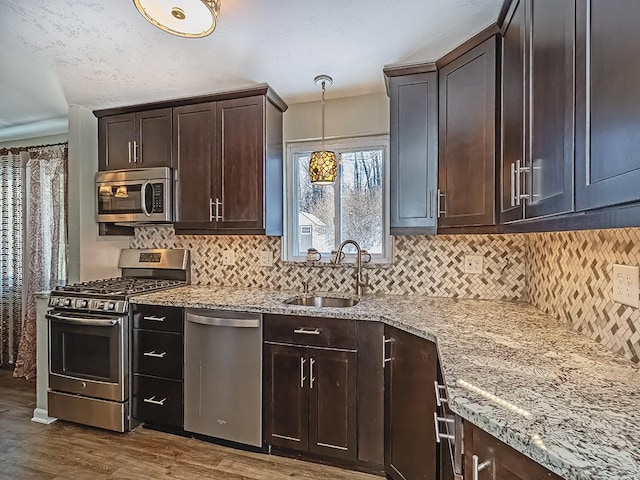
104	53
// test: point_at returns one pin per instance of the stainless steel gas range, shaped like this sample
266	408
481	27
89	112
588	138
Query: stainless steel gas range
89	346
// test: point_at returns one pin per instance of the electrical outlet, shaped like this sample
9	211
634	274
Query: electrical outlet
228	257
473	264
626	285
265	258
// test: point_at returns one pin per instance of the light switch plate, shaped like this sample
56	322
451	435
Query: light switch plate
265	258
473	264
228	257
626	285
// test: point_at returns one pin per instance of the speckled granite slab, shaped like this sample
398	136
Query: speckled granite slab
550	393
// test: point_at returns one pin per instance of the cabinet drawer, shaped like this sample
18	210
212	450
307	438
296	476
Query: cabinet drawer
321	332
153	317
157	400
157	353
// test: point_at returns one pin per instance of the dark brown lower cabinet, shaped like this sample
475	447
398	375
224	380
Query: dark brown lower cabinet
411	367
498	461
310	403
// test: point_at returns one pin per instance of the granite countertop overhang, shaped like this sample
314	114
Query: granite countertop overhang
524	377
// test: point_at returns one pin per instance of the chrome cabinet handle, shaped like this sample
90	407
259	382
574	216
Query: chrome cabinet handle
304	331
311	377
154	354
153	401
218	207
385	340
477	468
135	152
436	422
211	217
155	319
518	182
302	377
513	184
441	196
129	150
439	399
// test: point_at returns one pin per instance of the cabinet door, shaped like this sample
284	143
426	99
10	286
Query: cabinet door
194	141
414	153
240	174
116	134
550	182
410	445
513	111
286	396
504	462
607	104
467	142
153	138
332	403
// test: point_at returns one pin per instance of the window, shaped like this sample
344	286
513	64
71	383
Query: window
355	207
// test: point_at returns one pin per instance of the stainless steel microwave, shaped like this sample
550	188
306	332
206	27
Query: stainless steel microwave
139	195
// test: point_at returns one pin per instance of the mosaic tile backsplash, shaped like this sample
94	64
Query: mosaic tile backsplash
565	274
570	277
424	265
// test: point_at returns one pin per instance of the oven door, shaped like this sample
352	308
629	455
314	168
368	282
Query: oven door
133	201
88	354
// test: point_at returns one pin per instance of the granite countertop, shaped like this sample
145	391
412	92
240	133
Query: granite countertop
549	392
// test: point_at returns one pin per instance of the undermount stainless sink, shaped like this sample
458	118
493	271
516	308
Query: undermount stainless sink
312	301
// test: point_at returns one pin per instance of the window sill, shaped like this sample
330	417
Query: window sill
322	264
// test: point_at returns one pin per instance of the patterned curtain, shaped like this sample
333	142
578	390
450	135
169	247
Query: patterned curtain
46	246
11	184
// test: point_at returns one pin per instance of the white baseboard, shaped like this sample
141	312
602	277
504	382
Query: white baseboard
40	415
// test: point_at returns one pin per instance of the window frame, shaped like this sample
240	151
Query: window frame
339	145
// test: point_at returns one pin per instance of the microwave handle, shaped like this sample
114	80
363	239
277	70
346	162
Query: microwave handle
143	198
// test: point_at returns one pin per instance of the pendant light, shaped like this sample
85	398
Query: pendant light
323	165
185	18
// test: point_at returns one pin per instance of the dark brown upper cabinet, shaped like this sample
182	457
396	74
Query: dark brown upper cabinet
413	150
608	104
467	131
538	92
228	157
135	140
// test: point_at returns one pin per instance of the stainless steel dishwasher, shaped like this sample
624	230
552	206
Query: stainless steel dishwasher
223	375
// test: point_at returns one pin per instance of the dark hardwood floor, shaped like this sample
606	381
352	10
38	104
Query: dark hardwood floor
66	451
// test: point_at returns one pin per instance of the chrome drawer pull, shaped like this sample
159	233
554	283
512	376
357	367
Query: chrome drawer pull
477	468
312	378
442	436
153	401
155	319
440	400
302	377
154	354
304	331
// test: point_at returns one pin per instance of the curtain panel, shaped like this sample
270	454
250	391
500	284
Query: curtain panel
45	264
11	221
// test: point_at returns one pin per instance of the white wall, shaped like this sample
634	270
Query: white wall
90	256
344	117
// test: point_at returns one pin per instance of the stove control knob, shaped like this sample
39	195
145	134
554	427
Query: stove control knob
53	302
67	302
111	306
100	305
83	303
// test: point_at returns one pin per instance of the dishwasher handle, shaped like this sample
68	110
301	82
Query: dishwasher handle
223	322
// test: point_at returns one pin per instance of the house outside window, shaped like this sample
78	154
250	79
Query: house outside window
355	207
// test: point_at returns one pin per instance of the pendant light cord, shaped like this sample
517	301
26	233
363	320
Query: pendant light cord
323	82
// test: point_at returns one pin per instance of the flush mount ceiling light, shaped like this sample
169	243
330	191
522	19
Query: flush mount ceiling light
185	18
323	165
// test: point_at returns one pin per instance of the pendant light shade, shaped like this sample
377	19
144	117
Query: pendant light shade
185	18
323	165
323	168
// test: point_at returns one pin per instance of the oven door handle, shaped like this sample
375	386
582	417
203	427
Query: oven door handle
84	321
